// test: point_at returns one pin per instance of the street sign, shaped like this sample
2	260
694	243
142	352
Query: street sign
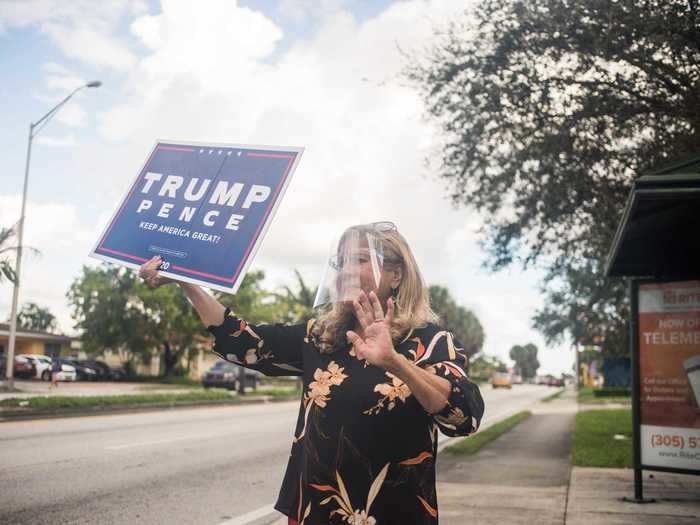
204	208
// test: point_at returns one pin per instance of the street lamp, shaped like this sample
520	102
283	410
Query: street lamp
34	129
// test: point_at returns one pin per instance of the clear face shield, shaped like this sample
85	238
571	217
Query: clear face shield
356	265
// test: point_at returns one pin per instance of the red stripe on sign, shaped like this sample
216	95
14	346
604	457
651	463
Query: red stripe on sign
203	274
270	155
135	257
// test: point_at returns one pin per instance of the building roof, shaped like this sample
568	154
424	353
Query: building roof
657	234
35	334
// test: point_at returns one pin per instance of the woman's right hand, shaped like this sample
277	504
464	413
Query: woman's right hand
149	272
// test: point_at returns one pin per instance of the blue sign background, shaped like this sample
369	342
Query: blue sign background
219	257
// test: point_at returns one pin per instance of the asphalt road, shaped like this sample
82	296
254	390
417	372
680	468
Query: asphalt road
195	466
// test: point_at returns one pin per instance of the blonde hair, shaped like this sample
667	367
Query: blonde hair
411	300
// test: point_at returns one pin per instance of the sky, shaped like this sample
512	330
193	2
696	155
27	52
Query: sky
322	74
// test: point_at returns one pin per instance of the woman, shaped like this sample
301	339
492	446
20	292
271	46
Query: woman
379	379
55	370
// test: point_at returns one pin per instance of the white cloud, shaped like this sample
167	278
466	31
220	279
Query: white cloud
212	75
82	29
90	45
65	141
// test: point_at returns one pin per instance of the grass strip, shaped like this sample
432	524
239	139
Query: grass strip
586	395
594	443
279	392
63	402
473	444
553	396
47	403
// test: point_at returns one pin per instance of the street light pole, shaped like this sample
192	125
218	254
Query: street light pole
34	129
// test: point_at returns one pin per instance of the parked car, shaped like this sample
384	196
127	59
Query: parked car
517	379
103	372
501	380
24	367
226	375
106	372
42	363
84	371
221	375
67	373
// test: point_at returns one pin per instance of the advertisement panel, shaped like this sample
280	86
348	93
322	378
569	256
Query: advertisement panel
204	208
669	360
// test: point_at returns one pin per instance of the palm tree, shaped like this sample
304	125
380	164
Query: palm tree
300	303
35	317
6	269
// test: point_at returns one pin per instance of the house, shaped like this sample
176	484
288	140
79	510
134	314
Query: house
36	342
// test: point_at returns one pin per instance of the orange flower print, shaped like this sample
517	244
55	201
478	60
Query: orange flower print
396	390
320	389
336	374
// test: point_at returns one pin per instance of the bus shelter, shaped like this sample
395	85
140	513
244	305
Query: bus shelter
657	247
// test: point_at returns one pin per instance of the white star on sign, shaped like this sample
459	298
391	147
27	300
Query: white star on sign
228	154
201	151
239	153
211	151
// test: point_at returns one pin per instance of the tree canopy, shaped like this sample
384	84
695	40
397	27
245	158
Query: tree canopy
525	358
462	322
34	317
549	109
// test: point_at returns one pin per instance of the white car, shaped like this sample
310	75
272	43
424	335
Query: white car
42	363
43	368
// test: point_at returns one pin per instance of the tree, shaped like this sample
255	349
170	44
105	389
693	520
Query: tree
35	317
525	358
549	109
299	302
462	322
116	310
6	269
484	366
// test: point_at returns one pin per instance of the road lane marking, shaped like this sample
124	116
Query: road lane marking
251	516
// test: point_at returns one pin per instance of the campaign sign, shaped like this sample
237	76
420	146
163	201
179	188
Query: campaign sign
204	208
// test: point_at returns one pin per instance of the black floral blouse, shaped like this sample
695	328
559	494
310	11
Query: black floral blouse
364	448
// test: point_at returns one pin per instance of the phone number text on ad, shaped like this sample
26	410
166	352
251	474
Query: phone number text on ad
675	441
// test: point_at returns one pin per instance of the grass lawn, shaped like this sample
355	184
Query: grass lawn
594	443
473	444
586	395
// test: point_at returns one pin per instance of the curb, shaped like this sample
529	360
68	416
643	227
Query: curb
29	414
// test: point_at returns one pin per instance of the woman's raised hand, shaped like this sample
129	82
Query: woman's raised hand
149	272
376	347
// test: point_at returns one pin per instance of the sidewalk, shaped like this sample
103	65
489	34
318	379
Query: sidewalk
525	477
